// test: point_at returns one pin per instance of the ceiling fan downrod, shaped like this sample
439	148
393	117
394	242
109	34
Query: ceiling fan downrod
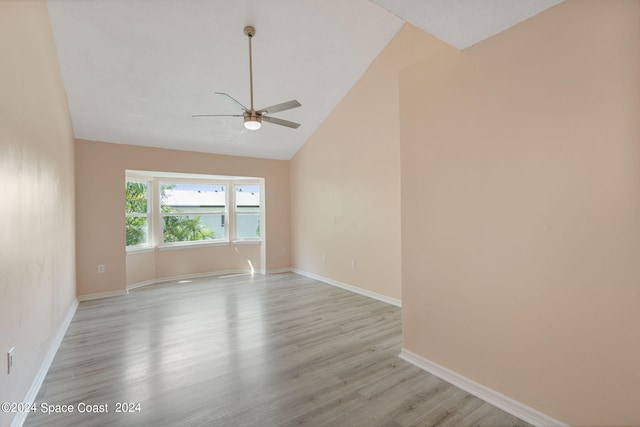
249	31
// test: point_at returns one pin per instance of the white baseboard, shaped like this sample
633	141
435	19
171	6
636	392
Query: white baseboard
32	393
100	295
278	270
355	289
141	284
498	400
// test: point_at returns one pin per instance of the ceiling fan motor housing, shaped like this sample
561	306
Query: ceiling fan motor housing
252	120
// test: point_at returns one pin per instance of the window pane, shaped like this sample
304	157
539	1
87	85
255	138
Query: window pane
136	212
247	199
136	230
136	197
192	198
215	223
185	228
248	226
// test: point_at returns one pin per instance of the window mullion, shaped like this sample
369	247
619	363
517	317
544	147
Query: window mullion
231	211
156	217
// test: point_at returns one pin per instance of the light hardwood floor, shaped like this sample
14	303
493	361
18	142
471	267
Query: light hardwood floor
274	350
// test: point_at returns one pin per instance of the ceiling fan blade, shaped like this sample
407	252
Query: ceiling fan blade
217	115
232	99
281	122
280	107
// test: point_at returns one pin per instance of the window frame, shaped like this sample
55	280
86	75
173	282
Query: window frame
225	211
235	213
148	215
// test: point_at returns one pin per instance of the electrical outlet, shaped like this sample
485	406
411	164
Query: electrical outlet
353	263
324	257
10	360
100	268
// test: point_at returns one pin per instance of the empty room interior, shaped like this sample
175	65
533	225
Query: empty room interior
435	222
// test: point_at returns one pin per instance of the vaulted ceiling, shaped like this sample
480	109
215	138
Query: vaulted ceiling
135	71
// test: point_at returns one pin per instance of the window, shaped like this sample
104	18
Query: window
192	211
137	213
247	211
169	210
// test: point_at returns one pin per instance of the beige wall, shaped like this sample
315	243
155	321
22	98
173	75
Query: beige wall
521	212
37	261
176	262
345	181
100	178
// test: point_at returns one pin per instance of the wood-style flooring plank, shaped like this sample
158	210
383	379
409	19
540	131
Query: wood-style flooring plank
274	350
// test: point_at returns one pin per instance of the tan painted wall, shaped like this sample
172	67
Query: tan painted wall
37	260
100	177
345	181
521	212
141	267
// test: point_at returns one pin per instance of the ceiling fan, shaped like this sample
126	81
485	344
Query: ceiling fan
253	119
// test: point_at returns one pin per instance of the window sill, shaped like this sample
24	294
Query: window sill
247	242
191	245
140	250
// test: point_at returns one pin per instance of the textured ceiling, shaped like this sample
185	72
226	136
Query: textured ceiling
135	71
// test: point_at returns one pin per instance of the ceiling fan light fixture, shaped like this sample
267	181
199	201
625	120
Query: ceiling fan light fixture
252	125
252	121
